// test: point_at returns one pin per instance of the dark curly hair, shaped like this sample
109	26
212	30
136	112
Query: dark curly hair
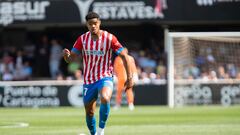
91	15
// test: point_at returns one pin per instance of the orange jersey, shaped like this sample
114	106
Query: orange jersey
120	70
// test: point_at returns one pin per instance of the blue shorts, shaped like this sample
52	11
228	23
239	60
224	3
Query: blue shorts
90	91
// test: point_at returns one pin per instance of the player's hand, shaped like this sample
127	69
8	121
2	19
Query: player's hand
129	83
66	52
66	55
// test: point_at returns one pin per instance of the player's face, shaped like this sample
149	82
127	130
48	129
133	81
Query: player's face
94	25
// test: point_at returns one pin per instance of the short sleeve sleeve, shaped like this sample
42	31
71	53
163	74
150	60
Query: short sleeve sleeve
116	46
77	47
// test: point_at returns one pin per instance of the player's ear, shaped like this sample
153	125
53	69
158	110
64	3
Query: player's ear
99	21
87	24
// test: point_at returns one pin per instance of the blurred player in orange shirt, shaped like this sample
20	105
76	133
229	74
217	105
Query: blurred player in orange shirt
121	77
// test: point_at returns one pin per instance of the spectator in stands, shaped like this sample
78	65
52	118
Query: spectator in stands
29	50
19	60
211	61
232	70
161	70
147	62
191	71
204	76
212	75
200	61
55	58
238	75
78	74
144	78
27	70
221	73
176	75
42	58
18	74
59	76
7	62
7	74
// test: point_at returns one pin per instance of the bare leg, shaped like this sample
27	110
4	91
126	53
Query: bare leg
120	87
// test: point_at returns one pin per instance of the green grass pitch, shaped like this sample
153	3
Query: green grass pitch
144	120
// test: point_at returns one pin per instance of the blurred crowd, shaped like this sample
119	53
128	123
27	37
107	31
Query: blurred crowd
43	60
32	61
212	63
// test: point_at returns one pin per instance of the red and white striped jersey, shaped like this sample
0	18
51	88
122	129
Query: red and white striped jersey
97	55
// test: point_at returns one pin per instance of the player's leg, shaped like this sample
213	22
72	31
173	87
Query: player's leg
120	87
90	118
130	94
105	94
130	98
90	96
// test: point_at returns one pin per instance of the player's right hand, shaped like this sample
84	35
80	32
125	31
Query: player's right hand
66	55
65	52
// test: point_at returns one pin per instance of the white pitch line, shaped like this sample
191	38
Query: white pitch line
15	125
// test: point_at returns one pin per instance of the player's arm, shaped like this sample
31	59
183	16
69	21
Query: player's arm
134	69
120	51
126	62
133	66
69	56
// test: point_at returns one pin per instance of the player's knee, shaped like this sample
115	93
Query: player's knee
105	99
106	96
90	112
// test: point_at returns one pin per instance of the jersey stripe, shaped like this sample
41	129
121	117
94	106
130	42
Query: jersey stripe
105	57
102	57
88	37
98	44
109	54
83	39
94	46
87	58
90	62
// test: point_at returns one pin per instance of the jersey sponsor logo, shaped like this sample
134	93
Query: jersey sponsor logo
94	52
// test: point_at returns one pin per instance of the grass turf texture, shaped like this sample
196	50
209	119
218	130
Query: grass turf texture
144	120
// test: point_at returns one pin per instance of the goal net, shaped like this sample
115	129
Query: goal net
203	68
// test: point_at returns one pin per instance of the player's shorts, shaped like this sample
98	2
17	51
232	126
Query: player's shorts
90	91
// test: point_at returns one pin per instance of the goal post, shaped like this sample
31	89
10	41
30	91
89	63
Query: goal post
217	49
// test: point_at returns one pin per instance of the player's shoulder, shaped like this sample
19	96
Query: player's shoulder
84	34
109	34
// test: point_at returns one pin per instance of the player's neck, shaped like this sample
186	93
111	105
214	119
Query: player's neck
96	36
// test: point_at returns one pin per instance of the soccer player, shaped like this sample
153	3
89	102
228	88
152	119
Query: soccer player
96	48
121	75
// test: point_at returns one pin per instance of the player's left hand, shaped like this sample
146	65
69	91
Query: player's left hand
129	83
